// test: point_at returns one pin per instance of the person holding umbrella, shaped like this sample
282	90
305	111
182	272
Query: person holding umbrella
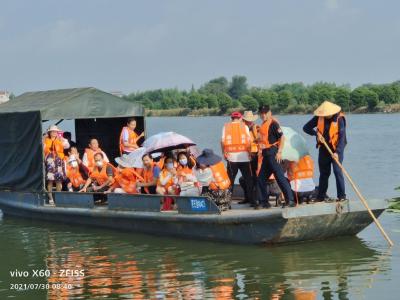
271	141
235	145
329	124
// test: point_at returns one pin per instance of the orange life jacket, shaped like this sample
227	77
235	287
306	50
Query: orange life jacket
221	177
75	176
53	146
333	130
90	157
148	176
170	182
132	138
126	179
302	169
264	130
253	136
236	138
100	176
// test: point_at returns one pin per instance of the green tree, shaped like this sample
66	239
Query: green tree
249	103
357	97
342	98
371	98
225	102
194	101
215	86
284	98
212	101
238	86
388	94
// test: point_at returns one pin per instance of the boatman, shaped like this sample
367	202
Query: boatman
235	145
329	122
271	141
129	138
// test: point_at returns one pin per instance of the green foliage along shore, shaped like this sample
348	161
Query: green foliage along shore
220	96
395	203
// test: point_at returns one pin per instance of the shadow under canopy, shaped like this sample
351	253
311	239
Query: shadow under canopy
96	114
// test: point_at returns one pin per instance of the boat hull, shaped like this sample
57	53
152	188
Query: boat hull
246	226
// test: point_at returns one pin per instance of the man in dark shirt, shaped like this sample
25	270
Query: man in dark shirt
329	123
271	141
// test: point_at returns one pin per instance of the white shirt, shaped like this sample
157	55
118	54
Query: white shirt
242	156
302	185
204	177
86	162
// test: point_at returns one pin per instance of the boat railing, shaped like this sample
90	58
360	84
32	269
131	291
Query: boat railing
136	202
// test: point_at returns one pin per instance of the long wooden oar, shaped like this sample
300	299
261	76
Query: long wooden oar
321	138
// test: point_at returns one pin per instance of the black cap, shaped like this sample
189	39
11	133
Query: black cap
264	109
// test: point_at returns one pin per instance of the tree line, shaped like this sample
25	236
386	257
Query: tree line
223	95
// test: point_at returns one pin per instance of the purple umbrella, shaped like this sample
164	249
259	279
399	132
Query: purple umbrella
167	141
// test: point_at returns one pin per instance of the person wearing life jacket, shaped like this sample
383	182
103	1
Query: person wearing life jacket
271	141
300	175
76	174
128	138
101	177
329	122
88	156
167	183
249	118
213	179
187	180
125	177
53	148
151	173
235	145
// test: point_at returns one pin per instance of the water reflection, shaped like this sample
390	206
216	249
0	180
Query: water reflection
128	266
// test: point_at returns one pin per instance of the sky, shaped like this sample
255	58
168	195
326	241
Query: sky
135	45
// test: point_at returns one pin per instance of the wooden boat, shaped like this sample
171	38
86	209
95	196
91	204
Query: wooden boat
197	217
22	183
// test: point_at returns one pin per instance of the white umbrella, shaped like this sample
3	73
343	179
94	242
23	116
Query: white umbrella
295	146
135	157
167	141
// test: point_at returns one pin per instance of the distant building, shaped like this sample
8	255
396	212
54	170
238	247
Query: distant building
4	96
117	93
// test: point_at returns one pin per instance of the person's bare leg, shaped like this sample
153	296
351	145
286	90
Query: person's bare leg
50	191
58	186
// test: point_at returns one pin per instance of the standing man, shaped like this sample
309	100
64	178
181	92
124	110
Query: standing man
330	125
271	141
128	138
235	145
249	118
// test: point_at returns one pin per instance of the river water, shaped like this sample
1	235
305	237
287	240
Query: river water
120	265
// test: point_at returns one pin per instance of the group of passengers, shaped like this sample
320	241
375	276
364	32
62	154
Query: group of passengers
173	173
255	150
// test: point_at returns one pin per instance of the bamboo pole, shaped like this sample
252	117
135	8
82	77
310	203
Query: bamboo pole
378	224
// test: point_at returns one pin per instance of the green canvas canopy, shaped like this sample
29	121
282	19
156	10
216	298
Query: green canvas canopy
77	103
96	114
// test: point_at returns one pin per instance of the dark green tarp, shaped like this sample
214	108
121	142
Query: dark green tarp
21	154
78	103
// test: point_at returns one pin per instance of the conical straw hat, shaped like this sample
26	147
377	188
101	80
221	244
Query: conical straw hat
249	116
327	109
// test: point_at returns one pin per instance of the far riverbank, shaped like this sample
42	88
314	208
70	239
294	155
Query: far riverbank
186	112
